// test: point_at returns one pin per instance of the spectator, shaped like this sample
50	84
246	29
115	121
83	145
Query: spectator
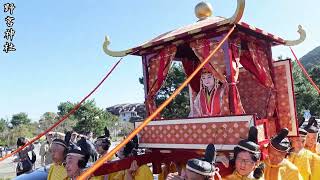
24	163
45	150
94	154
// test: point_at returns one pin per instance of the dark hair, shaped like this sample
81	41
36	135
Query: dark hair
258	172
131	147
105	139
21	141
254	156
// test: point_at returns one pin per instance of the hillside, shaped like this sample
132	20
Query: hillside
311	58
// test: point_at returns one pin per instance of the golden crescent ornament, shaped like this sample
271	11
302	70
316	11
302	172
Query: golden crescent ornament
302	37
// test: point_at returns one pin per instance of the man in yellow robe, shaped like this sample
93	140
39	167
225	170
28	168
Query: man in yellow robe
277	166
307	162
58	151
247	156
77	159
199	169
312	136
102	146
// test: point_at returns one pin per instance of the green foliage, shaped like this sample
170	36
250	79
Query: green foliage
180	106
87	118
47	120
3	124
20	119
306	96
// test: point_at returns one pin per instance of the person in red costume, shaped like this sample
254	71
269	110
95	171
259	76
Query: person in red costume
208	101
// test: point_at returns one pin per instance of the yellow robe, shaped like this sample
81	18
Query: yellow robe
236	176
308	164
112	176
315	149
282	171
142	173
117	175
57	172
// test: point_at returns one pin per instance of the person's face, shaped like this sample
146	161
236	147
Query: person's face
207	80
49	138
311	139
72	167
90	135
298	143
244	163
120	154
275	156
98	146
57	153
73	137
193	176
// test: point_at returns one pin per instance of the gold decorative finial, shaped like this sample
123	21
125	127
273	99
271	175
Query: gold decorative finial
302	37
203	10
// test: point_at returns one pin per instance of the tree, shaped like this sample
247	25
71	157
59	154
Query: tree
3	124
92	118
63	109
47	120
307	98
20	119
87	118
179	107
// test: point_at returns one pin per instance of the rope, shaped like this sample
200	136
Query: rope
64	117
305	72
107	156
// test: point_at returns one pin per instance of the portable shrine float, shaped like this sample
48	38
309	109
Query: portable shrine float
243	87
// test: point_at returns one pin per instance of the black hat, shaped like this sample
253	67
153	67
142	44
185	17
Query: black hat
106	135
210	154
302	132
250	144
200	166
300	121
280	142
131	146
60	142
204	166
21	141
312	126
82	149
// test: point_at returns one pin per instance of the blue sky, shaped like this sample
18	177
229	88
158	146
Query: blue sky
59	53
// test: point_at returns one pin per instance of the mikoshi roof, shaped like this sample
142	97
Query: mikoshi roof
205	27
200	28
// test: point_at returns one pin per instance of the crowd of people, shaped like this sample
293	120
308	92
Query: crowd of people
289	158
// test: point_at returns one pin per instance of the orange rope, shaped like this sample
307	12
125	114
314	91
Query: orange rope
64	117
107	156
305	72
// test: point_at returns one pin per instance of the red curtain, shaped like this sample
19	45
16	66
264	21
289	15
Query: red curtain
189	66
255	57
158	67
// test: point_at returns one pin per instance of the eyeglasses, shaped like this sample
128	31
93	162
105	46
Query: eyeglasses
245	161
